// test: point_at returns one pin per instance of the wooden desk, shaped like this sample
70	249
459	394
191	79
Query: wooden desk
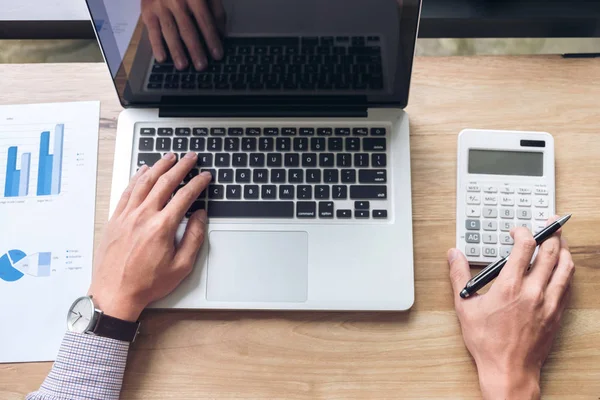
418	354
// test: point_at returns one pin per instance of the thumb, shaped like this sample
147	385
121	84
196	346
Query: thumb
192	240
460	273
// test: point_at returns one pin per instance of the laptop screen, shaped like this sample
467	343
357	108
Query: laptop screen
187	51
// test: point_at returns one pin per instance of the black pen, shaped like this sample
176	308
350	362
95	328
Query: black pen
490	272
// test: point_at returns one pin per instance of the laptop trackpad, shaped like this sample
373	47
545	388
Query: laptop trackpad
257	266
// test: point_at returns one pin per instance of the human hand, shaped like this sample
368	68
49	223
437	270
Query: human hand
510	329
138	260
178	21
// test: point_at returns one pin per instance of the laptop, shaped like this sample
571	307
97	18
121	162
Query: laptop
301	123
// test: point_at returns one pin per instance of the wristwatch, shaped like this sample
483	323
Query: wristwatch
84	317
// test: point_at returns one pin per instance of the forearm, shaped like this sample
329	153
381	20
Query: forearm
87	367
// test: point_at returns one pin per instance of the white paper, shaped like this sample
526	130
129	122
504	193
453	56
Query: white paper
46	222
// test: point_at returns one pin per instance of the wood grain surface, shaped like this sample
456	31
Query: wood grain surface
413	355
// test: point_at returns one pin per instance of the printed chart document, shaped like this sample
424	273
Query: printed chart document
48	162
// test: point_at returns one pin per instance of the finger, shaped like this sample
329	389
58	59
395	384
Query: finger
190	36
171	34
220	17
460	273
192	240
205	21
186	196
146	182
545	261
169	181
564	302
155	37
561	278
127	193
520	257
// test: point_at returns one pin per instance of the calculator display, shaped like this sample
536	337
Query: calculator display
494	162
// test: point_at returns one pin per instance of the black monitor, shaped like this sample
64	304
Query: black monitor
233	53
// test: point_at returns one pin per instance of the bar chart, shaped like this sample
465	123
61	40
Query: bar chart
49	167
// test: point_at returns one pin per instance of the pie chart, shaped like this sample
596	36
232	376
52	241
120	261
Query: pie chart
8	272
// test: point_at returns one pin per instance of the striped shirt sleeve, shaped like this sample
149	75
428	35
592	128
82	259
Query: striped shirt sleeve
87	367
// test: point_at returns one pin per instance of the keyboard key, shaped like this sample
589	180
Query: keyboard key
322	192
266	144
146	144
342	131
217	131
489	212
340	192
348	176
216	192
507	213
330	176
317	144
326	209
344	214
180	144
361	214
269	192
472	251
541	191
374	144
524	213
372	176
541	215
271	131
235	131
335	144
278	176
524	190
505	251
378	132
240	160
222	160
313	176
490	200
200	131
148	159
296	176
361	205
197	144
300	144
286	192
380	214
234	192
251	192
274	160
490	189
524	201
225	176
368	192
352	144
183	131
306	209
507	200
213	174
147	131
283	144
473	199
506	226
288	131
309	160
506	189
163	144
232	144
472	237
378	160
505	238
249	144
253	131
257	160
541	201
324	131
215	144
205	160
304	192
360	131
165	131
291	160
524	225
260	176
344	160
361	160
490	225
242	175
489	238
472	224
250	209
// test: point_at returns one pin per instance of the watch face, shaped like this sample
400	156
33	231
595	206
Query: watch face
81	315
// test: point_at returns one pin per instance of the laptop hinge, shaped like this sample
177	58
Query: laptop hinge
266	107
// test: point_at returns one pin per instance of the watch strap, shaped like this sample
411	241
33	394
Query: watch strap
114	328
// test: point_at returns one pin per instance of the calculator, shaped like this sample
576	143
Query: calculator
505	179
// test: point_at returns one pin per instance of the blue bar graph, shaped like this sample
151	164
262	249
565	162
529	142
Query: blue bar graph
49	174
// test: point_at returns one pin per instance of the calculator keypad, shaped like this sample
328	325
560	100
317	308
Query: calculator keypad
493	210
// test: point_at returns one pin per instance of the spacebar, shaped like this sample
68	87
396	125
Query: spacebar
250	209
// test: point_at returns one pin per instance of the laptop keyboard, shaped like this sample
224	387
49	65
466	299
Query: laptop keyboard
281	63
281	172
